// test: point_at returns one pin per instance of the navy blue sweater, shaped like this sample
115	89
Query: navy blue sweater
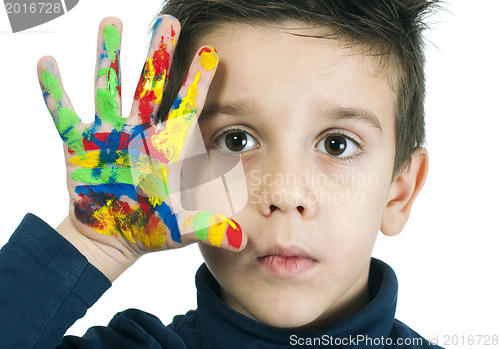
46	285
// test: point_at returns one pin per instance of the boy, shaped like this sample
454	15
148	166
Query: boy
322	102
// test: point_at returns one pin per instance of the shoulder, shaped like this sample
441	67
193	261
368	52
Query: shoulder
404	337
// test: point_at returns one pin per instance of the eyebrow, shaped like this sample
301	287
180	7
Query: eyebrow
356	114
239	110
335	113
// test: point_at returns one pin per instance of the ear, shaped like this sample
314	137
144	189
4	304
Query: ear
403	192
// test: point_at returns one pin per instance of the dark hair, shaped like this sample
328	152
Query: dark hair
390	29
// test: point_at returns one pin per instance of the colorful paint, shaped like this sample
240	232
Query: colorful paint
108	215
122	175
64	118
170	142
208	58
106	98
214	227
154	74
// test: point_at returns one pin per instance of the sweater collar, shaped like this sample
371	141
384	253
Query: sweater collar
226	328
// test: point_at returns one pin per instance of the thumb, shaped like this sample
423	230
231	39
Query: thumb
212	229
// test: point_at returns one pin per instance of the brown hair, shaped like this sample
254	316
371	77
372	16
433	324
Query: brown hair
391	29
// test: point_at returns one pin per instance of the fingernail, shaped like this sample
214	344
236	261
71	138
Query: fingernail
208	58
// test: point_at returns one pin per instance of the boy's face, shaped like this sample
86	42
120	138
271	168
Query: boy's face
314	123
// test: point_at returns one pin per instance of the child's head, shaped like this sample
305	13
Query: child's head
324	101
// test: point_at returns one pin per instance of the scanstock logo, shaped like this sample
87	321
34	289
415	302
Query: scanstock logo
26	14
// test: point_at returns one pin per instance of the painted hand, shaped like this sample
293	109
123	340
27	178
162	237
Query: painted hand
124	174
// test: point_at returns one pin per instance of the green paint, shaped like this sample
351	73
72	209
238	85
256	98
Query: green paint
106	103
52	85
151	186
120	175
67	120
64	118
201	223
111	41
111	80
106	175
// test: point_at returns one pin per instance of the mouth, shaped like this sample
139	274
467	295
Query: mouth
286	263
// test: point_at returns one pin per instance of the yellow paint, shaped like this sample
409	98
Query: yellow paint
114	222
106	221
149	75
209	59
153	80
155	236
188	222
155	201
217	229
165	178
91	160
149	186
189	103
231	223
153	173
170	142
146	164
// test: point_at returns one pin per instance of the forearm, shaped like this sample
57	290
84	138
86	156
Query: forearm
46	285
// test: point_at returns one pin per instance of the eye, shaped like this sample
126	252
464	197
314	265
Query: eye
338	145
235	141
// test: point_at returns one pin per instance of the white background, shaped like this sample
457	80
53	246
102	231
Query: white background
447	257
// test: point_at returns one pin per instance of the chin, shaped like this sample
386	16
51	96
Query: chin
290	316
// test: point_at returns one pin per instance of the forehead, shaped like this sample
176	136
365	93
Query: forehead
287	68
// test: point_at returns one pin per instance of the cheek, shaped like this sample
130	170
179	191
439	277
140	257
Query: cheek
353	211
217	260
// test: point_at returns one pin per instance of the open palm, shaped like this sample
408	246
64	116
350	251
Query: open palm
122	173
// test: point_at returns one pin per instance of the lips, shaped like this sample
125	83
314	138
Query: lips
285	263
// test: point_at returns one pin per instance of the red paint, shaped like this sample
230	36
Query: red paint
141	216
147	147
99	139
146	109
161	59
114	65
172	31
160	62
207	50
234	235
140	85
203	50
153	224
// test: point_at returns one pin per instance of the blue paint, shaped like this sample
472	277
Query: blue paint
155	28
115	189
96	125
177	103
119	189
170	220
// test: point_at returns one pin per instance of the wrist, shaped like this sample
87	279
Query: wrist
111	260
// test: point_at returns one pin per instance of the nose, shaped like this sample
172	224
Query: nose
284	185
